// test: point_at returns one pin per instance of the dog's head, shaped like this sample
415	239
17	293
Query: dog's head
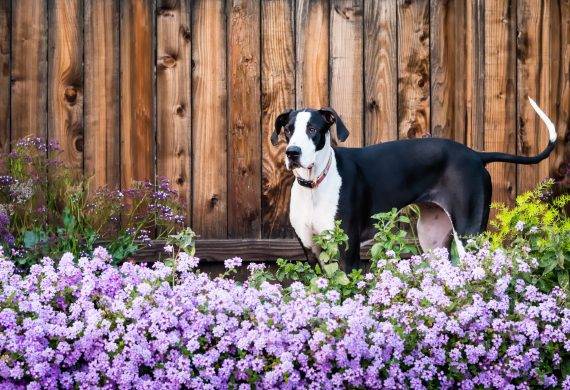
307	133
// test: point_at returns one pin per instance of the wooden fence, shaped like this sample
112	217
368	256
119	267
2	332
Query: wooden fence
189	90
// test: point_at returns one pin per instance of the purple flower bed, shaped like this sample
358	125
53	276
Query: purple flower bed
419	322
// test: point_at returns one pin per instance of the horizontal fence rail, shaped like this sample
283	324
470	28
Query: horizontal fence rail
189	90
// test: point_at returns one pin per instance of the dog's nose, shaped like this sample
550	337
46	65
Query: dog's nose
293	152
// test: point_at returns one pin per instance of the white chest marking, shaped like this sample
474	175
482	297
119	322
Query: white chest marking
311	211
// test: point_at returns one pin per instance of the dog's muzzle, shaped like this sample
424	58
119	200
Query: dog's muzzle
293	154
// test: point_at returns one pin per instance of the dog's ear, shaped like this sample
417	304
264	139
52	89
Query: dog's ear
330	116
281	121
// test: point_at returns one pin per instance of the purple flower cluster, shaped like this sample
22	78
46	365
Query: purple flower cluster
417	323
6	236
159	200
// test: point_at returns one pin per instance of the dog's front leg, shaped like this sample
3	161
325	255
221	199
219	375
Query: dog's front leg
350	254
309	255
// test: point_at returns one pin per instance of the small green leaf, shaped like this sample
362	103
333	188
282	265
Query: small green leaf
341	279
330	269
30	239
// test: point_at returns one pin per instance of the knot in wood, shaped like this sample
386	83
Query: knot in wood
180	110
79	144
214	201
168	61
185	33
70	95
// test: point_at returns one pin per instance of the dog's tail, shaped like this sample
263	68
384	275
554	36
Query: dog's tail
488	157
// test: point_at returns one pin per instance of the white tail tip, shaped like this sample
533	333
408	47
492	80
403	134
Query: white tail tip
549	125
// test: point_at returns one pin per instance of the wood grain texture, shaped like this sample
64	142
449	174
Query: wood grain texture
560	70
413	69
28	104
346	90
209	119
173	97
5	34
447	66
278	95
475	74
312	46
380	72
500	94
101	157
218	250
244	115
65	83
137	81
535	47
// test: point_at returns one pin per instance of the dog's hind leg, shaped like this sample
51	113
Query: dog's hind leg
434	226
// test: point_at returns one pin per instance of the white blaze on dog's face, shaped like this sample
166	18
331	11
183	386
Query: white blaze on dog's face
307	133
301	138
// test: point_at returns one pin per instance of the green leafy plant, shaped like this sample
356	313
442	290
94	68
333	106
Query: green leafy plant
330	242
391	235
46	210
537	227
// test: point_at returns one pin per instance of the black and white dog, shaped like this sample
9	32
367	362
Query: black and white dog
446	179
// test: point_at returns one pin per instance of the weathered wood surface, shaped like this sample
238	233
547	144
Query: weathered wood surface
500	93
101	95
413	69
447	66
244	137
137	92
173	94
277	95
346	66
5	34
380	72
65	84
475	74
209	124
28	100
312	46
190	89
217	250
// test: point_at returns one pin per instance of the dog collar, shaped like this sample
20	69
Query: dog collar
315	183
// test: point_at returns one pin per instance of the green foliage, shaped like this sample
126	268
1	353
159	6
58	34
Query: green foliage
391	235
537	228
45	210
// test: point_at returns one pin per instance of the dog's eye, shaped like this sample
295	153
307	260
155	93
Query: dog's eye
311	130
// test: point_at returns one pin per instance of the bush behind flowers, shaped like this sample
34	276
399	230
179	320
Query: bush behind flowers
46	210
420	322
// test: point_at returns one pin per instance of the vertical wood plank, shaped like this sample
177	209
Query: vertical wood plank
534	53
137	81
448	69
29	69
346	93
65	83
500	93
209	119
102	100
5	34
312	46
173	68
380	72
413	69
475	74
560	70
244	113
278	95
